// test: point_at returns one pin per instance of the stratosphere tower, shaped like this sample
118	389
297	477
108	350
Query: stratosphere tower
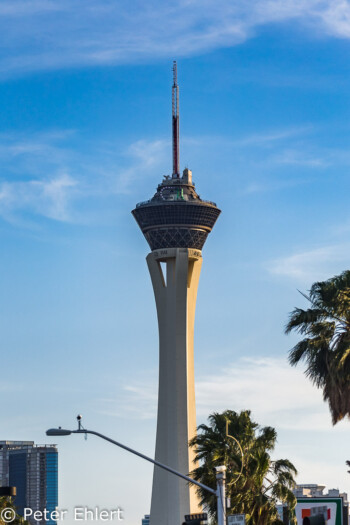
175	223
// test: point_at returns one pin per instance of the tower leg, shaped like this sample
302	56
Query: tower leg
175	295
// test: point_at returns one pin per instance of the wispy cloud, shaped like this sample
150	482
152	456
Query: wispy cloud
300	158
36	178
335	18
312	265
44	35
144	156
50	174
18	8
269	138
49	198
271	151
273	185
276	393
63	161
293	146
136	401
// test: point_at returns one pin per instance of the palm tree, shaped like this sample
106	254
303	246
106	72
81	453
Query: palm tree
254	482
325	347
6	502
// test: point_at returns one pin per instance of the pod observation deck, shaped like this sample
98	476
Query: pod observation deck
176	216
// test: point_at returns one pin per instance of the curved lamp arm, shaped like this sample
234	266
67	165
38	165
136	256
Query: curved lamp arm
241	451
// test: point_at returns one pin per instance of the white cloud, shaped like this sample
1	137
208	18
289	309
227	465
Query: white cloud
33	165
145	156
43	145
300	158
269	138
292	146
137	401
312	265
277	394
273	185
19	8
46	35
35	180
49	174
49	198
336	18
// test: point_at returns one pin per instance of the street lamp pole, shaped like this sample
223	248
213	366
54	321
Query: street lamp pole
220	471
221	493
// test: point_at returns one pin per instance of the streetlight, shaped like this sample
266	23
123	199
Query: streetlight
220	471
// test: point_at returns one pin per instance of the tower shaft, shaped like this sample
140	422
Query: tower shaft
175	295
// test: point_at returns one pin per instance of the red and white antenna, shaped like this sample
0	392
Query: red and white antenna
175	120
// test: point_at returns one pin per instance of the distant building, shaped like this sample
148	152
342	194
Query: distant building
307	496
4	458
33	470
145	520
316	491
309	490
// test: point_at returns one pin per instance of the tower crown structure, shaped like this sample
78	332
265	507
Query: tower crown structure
176	216
175	223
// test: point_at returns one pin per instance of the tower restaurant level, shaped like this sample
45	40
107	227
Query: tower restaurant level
176	217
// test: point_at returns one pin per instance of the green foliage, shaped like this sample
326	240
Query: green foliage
262	482
6	502
325	346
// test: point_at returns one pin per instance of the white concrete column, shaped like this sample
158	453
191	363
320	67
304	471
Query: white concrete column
175	294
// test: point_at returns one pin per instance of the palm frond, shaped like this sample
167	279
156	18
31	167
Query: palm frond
326	344
253	492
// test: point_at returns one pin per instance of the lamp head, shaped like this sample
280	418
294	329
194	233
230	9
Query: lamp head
58	432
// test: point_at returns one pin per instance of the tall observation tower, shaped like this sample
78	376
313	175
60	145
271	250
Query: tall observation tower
175	223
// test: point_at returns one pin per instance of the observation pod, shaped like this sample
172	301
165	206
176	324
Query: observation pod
176	217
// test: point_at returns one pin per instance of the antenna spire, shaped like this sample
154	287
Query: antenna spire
175	123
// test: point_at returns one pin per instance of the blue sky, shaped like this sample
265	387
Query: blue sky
85	91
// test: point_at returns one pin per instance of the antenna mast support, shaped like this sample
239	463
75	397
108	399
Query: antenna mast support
175	124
